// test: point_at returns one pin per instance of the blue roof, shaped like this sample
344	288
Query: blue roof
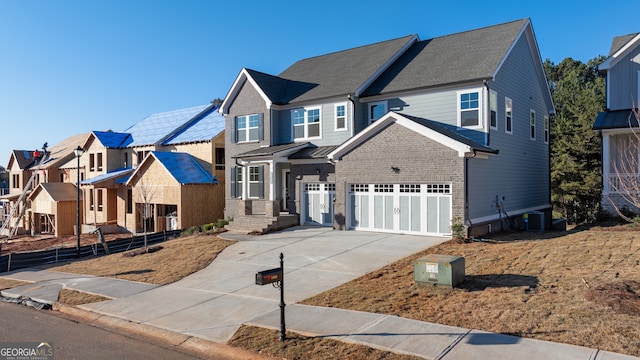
157	127
184	168
121	174
204	129
112	139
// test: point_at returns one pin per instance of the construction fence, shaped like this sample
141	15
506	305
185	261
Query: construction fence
23	260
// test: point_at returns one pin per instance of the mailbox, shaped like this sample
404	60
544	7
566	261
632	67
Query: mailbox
268	276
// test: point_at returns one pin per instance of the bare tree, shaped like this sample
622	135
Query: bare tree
144	204
624	180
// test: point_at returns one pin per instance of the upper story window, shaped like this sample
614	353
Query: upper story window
306	123
92	162
469	109
341	116
532	124
546	129
99	161
376	110
508	115
493	105
248	128
219	158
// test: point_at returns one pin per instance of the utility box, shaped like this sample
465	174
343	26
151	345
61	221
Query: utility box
534	221
440	270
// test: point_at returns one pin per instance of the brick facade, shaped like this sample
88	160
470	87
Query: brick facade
419	160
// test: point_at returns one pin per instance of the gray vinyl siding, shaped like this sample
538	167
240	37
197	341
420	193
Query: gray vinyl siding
439	106
623	83
520	171
284	134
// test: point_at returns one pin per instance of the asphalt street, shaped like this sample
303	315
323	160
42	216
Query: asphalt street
76	340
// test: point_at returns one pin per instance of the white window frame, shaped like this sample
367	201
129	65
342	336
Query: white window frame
247	128
344	116
306	124
508	115
493	108
251	180
370	110
479	91
532	124
546	129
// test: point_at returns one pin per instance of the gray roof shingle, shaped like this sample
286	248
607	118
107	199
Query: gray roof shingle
451	132
620	41
465	56
339	73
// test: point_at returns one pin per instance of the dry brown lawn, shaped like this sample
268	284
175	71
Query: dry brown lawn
298	347
529	285
176	259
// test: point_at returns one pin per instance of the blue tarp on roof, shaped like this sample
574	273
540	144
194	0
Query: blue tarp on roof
121	173
204	129
112	139
158	126
184	168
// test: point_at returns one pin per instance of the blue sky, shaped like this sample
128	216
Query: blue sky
70	67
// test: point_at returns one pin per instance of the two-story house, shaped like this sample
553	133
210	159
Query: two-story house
405	135
40	188
618	126
159	174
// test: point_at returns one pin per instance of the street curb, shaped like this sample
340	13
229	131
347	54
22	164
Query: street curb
186	343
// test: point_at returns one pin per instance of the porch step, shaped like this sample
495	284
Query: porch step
261	224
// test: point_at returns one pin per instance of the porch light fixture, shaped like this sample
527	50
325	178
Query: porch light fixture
395	169
78	152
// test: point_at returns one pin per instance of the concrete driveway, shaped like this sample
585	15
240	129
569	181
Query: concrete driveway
213	303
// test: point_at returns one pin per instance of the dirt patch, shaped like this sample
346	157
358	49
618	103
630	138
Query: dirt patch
623	297
72	297
9	284
525	284
298	347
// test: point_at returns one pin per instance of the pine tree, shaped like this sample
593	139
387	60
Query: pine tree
578	92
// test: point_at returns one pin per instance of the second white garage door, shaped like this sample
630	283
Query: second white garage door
401	208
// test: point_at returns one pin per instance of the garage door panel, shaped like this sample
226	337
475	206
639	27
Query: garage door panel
445	214
432	214
407	208
416	205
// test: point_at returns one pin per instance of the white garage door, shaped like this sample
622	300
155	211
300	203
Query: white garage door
401	208
318	203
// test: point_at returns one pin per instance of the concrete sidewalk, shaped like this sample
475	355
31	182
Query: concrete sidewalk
213	303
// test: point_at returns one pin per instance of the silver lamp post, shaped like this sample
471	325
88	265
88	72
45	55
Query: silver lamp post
78	152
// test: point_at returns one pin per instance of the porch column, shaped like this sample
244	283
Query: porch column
272	179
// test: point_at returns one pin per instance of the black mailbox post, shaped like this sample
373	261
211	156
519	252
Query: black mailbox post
275	277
